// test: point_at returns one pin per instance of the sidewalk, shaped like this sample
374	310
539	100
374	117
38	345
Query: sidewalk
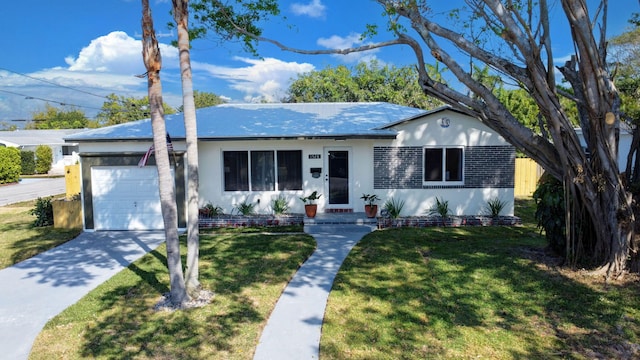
294	327
41	287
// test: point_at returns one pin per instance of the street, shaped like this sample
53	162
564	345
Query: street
29	189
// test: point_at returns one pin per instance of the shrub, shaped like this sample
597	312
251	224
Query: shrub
393	207
43	211
214	210
246	208
210	210
9	165
550	211
440	208
280	205
28	162
495	207
44	157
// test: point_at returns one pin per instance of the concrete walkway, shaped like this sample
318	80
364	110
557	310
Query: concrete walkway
295	325
41	287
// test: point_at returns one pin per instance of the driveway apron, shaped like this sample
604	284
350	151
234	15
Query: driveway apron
294	327
41	287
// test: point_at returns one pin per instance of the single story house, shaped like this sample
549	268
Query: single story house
258	152
64	153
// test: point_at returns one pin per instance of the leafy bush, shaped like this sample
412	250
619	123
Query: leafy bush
44	157
280	205
210	210
28	162
246	208
495	207
9	165
214	210
550	211
440	208
393	207
43	211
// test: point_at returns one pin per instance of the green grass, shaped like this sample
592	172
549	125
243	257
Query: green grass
246	271
461	293
436	293
20	241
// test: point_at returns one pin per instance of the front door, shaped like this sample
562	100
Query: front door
337	177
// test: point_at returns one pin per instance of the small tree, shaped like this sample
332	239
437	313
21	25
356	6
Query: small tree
28	162
44	157
43	211
9	165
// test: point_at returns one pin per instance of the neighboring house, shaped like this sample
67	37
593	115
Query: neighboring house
624	144
64	153
257	152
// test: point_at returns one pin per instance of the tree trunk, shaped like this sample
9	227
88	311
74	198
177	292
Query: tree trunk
595	177
153	63
180	14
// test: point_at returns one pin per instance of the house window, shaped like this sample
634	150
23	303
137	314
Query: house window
236	171
290	170
443	165
262	171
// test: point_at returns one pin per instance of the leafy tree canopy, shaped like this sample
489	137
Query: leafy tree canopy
625	51
204	99
119	109
224	19
363	82
54	118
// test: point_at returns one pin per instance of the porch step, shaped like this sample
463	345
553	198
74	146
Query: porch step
355	218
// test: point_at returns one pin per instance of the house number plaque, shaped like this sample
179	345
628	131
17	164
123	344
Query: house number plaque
314	156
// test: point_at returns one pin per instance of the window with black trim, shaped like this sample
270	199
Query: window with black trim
443	165
262	171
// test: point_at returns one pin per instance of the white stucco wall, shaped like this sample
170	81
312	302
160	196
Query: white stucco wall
461	131
211	176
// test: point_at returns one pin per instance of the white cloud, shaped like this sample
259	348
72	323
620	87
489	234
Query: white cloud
118	53
353	40
107	65
314	9
266	79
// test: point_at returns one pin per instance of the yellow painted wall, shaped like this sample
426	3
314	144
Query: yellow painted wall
67	214
72	180
526	178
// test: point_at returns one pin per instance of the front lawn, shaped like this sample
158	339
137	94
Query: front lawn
20	241
473	292
246	271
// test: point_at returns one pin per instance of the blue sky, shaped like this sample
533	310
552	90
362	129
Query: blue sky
90	49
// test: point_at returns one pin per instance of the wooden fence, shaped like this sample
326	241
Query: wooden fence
526	177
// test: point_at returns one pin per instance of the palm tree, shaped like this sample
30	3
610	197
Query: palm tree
153	63
181	16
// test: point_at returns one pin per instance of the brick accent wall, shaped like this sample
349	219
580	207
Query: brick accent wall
397	167
489	166
484	167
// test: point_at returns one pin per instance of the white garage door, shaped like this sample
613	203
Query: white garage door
126	198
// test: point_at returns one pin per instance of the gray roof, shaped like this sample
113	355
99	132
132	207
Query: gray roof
36	137
271	121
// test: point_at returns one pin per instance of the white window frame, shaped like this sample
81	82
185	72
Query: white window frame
249	171
444	166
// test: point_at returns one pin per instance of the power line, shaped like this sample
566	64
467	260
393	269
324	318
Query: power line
55	84
48	100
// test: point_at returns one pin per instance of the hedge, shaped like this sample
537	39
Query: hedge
9	165
44	157
28	158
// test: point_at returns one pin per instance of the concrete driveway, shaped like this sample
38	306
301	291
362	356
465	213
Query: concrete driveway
39	288
30	189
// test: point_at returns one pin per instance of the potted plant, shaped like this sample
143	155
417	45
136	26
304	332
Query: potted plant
370	208
310	208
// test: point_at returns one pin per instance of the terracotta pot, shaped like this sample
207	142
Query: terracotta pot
371	210
311	209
